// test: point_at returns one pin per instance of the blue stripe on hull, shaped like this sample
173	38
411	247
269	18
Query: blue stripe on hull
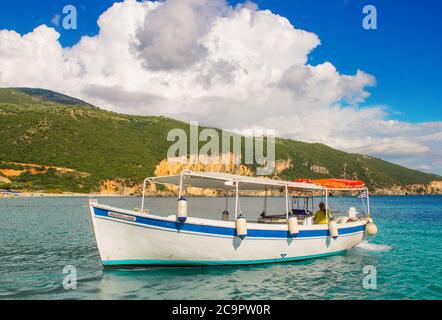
224	231
143	262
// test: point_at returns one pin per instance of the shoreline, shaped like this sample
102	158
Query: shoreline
95	195
68	195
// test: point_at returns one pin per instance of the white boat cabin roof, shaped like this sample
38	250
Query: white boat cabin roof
224	181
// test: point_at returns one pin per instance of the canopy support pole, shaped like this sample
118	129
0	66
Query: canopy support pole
236	199
313	203
227	199
326	206
181	186
265	201
286	201
368	204
144	191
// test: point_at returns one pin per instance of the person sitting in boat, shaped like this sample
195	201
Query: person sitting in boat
320	215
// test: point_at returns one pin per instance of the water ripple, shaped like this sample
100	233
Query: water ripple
39	237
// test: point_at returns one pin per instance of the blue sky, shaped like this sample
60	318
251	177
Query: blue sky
404	53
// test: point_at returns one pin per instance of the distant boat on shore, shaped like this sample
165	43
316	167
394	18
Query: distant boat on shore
8	193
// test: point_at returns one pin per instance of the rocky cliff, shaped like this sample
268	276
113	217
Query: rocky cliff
433	188
173	167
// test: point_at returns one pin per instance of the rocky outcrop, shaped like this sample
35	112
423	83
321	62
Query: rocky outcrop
319	169
281	165
11	172
435	188
114	187
175	166
35	169
4	182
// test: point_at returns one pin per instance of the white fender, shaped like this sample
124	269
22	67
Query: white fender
371	229
241	227
181	215
293	226
333	228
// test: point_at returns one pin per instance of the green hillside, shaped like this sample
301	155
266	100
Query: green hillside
42	131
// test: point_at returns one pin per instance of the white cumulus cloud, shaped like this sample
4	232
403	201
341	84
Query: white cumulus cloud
224	66
170	37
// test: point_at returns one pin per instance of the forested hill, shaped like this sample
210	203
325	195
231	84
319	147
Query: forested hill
52	142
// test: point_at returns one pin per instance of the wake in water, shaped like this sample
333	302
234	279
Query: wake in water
365	245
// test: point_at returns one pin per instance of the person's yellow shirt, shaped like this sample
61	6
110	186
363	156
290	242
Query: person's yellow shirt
320	217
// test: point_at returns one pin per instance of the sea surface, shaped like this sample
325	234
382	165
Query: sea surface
39	237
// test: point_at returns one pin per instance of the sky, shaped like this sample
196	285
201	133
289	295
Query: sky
306	68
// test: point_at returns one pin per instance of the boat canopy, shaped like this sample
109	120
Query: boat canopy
336	184
224	181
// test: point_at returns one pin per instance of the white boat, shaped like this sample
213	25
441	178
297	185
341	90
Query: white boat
141	238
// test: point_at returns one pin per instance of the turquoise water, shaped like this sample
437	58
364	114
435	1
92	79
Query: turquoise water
39	236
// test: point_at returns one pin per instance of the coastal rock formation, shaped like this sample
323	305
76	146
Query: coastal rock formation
435	188
11	172
174	167
319	169
35	169
112	187
4	182
281	165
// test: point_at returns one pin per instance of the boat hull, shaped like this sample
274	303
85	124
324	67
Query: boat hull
128	238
